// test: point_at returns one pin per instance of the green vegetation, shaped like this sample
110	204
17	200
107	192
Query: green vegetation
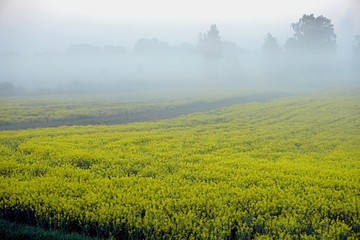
51	111
44	110
285	169
12	231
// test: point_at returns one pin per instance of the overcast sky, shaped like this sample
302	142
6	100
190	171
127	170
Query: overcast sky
53	25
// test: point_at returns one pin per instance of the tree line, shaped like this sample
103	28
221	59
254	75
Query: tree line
310	53
311	34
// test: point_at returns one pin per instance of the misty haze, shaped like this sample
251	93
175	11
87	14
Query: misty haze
309	57
179	119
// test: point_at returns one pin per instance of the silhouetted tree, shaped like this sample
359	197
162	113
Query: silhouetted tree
312	34
114	50
6	89
271	46
272	61
210	43
152	46
84	49
357	46
186	48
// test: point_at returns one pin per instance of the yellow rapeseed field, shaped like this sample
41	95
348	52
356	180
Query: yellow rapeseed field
284	169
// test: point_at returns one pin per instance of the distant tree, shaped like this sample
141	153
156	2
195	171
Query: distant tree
88	50
186	48
6	89
271	46
114	50
357	46
151	46
230	50
84	49
11	53
210	43
313	34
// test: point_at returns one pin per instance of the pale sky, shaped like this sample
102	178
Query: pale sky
50	25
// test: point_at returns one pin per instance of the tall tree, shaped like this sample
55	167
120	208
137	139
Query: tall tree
357	46
313	34
271	46
151	46
210	43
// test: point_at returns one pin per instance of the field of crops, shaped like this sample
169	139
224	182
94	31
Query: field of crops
35	111
51	111
283	169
